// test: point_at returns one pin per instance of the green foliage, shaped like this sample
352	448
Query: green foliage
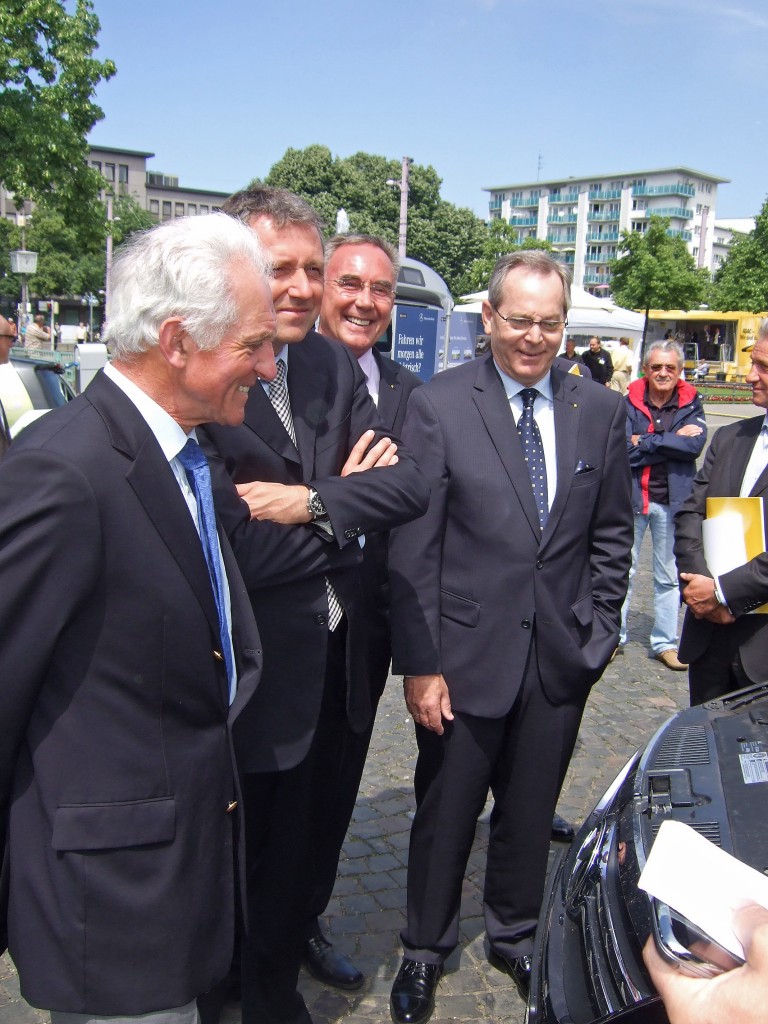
656	271
446	237
47	79
10	284
741	283
499	238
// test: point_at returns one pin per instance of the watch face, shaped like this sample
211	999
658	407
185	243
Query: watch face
315	503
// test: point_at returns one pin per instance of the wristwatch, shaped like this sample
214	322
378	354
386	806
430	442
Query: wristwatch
315	505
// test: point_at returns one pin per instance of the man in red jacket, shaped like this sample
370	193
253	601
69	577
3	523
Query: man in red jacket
666	432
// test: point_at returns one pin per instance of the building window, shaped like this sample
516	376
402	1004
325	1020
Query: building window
154	209
97	165
179	210
122	172
695	250
166	209
191	209
617	184
215	209
640	226
203	208
109	172
639	204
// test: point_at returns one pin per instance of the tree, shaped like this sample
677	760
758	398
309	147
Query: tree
47	79
440	234
742	281
656	271
499	239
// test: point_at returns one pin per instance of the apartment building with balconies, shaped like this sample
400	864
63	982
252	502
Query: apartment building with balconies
583	217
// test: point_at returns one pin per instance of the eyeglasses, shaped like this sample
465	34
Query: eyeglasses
382	290
7	335
658	367
525	323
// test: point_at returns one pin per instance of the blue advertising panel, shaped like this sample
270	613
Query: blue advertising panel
465	328
414	342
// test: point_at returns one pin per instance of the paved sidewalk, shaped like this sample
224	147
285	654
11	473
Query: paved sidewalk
635	695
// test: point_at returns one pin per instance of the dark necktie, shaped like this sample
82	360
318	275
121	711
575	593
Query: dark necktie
199	476
281	402
533	450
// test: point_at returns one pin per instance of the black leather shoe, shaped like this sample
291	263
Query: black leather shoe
562	830
413	993
519	970
329	965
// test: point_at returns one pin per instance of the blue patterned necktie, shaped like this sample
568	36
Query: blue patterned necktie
199	476
533	450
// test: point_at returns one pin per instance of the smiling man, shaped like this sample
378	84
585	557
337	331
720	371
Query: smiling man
506	598
302	460
724	644
117	720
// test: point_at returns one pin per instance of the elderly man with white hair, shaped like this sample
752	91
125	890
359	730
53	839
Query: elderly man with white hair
133	650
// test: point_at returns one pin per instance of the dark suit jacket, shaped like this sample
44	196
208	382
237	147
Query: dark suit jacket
395	386
115	752
744	588
472	578
331	408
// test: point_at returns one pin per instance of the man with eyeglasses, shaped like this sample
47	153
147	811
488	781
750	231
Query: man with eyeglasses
312	456
506	600
666	433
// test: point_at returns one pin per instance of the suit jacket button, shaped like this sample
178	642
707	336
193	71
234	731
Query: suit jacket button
231	806
321	619
218	656
539	564
525	624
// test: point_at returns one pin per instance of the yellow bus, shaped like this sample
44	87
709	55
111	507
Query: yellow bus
719	338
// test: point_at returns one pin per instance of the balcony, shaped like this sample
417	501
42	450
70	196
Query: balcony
613	215
564	197
590	277
671	211
557	239
494	204
603	236
562	218
686	236
611	193
566	257
523	221
523	202
602	258
681	188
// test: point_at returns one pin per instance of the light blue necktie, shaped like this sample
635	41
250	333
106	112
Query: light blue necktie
533	450
199	475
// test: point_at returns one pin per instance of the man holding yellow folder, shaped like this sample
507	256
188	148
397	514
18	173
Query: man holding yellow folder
725	637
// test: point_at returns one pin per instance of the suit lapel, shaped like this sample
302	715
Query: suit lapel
390	392
155	486
492	404
262	419
307	387
741	455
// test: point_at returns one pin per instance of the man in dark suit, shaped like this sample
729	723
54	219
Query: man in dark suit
133	650
506	601
302	461
358	298
725	646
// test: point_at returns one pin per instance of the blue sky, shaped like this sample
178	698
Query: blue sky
481	89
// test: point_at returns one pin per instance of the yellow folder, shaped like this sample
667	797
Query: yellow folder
750	512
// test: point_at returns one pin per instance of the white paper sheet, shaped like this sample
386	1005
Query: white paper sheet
723	539
701	881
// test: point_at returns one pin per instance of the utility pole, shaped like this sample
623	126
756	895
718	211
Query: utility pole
403	186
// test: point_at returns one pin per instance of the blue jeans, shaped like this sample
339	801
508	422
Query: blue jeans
666	595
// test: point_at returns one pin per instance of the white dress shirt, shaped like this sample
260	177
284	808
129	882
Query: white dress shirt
758	460
544	414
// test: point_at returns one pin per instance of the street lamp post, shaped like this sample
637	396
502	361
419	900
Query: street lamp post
403	186
23	263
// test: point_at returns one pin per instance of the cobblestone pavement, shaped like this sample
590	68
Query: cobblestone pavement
634	697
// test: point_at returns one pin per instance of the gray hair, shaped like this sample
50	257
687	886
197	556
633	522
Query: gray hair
179	268
339	241
665	346
762	331
280	205
535	261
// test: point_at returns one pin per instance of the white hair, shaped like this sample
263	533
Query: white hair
180	268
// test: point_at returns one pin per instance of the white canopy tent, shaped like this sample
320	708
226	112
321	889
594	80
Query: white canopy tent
587	315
